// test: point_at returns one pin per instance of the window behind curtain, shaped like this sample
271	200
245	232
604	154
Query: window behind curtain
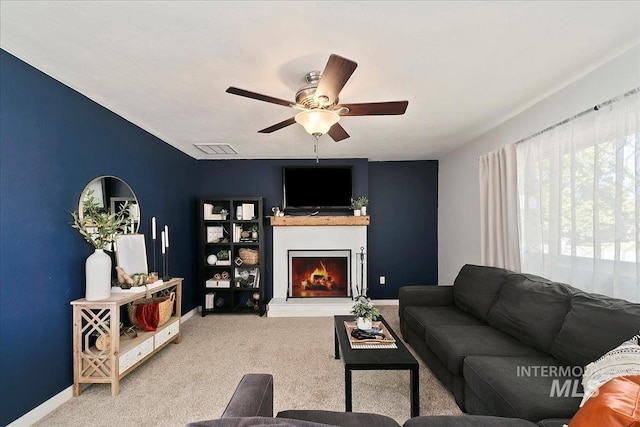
579	196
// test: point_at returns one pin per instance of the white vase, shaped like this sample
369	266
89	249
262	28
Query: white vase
363	211
356	212
362	323
98	276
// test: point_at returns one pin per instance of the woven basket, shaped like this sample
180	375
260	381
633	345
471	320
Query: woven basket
165	308
249	256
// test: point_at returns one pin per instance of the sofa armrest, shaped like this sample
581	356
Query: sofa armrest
426	296
253	397
423	295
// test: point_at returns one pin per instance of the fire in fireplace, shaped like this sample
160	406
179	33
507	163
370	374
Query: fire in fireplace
319	273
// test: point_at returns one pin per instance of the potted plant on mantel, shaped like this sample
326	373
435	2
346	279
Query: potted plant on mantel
365	313
100	228
359	205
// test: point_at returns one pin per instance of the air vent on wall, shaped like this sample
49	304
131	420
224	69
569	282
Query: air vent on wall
216	149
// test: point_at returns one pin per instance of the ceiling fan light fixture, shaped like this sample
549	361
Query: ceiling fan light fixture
317	121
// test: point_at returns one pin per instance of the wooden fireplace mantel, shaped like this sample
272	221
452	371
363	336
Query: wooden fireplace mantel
286	221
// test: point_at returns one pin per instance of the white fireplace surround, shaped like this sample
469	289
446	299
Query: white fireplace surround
314	237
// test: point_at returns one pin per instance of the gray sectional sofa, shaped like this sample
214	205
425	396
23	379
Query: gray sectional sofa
252	406
510	344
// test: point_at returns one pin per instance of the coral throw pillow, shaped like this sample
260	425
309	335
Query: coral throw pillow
615	404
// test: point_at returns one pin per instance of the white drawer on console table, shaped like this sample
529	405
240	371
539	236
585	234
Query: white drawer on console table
170	331
136	354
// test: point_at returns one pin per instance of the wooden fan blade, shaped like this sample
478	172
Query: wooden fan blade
335	75
278	126
259	97
374	108
337	133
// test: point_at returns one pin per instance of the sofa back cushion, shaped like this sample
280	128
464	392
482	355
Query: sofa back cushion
594	325
531	309
476	288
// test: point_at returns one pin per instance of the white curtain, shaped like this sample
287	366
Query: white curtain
499	209
579	191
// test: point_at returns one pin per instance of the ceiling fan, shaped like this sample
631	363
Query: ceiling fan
319	105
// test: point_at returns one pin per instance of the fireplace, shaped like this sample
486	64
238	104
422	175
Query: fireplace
314	233
319	273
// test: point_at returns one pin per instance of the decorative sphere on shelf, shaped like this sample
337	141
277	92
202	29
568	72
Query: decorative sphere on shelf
212	259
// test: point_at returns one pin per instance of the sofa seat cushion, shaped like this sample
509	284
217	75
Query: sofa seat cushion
342	419
466	421
594	325
531	309
418	317
452	343
476	288
532	388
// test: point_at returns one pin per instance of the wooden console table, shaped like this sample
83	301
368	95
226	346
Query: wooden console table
121	354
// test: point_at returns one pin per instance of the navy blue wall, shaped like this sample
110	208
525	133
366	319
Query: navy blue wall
53	141
403	209
263	178
403	235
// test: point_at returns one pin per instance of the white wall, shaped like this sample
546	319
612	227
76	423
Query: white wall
458	187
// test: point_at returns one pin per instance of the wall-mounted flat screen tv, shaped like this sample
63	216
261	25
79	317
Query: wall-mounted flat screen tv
317	187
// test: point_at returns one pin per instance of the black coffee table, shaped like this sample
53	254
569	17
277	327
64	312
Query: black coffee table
375	359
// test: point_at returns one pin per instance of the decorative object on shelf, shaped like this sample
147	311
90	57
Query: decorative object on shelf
244	234
165	253
276	210
237	261
151	313
365	313
219	302
249	256
218	213
98	276
126	281
153	241
239	213
358	205
246	277
223	257
212	260
99	228
254	231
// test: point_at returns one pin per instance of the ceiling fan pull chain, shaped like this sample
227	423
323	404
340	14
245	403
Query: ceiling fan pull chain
315	148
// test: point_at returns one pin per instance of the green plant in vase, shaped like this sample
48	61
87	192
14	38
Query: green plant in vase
365	313
254	231
97	226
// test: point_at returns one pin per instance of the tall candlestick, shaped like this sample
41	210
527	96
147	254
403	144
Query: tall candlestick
153	228
166	234
163	241
132	227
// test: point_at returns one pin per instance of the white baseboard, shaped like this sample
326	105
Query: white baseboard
44	409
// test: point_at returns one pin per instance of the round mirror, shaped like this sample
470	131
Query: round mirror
111	194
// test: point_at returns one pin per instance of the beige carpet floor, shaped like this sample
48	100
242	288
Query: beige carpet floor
194	380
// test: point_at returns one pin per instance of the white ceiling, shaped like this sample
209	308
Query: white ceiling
464	66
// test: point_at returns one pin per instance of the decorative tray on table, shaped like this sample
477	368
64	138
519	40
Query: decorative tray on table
384	337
